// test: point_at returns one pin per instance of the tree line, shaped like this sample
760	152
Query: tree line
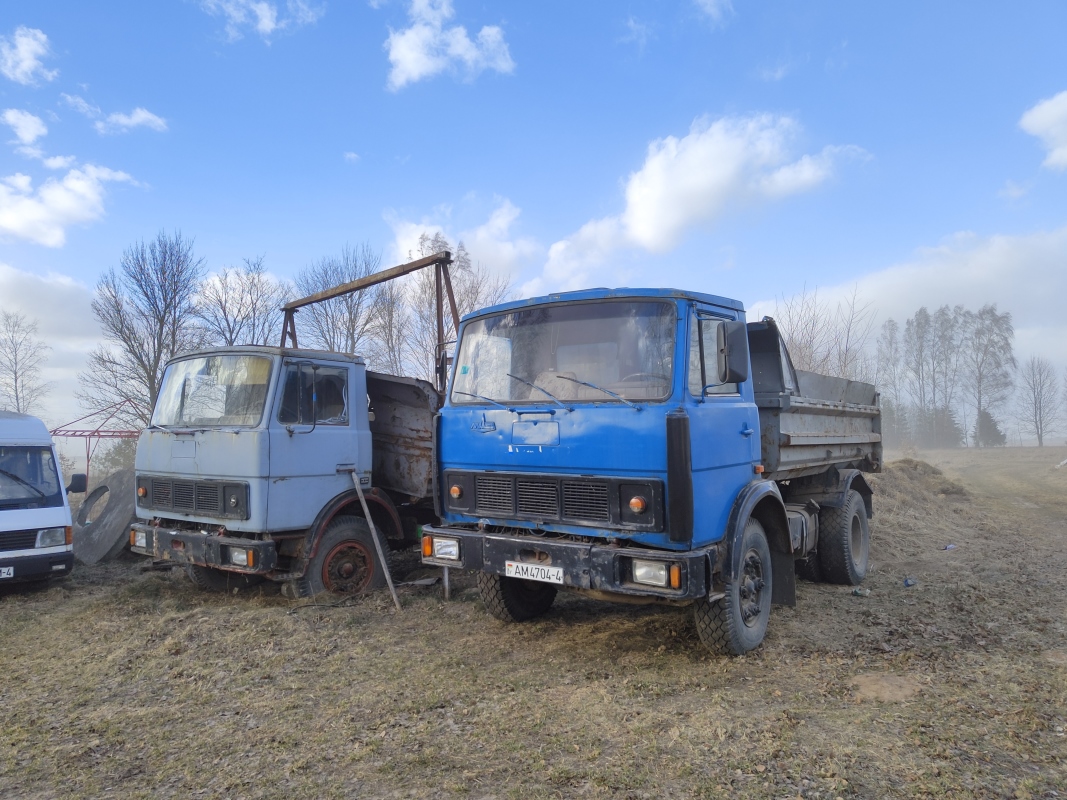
160	301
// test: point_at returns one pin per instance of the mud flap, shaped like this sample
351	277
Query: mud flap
784	583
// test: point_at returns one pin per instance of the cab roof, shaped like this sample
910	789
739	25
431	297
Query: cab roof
266	350
623	293
23	429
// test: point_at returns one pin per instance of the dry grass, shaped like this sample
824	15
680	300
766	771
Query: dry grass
123	684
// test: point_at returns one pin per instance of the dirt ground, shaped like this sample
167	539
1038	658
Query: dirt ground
123	683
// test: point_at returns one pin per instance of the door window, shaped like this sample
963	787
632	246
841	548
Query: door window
706	348
314	395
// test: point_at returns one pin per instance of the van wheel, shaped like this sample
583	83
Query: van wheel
346	561
844	541
737	623
207	579
514	599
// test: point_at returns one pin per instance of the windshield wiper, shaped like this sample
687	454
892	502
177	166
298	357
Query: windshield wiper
533	385
602	389
25	483
483	397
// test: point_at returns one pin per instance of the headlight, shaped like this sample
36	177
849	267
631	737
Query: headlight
138	538
652	573
51	537
241	558
446	548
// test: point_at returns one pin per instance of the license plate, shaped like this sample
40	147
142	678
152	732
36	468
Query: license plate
533	572
7	572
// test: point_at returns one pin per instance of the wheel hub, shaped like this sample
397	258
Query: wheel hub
348	568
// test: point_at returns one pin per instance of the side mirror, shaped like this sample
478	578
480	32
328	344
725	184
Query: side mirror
732	345
77	484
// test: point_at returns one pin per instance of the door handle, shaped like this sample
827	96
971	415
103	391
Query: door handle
747	431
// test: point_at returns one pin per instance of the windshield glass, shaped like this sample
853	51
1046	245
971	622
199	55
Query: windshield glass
597	351
28	478
213	390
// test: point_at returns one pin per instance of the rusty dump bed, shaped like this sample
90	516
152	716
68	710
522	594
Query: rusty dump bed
810	422
402	432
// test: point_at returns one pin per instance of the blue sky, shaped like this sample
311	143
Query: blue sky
917	151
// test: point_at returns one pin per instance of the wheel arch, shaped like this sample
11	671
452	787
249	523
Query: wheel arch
382	510
762	501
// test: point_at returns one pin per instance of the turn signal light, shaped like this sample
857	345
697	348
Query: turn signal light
427	546
70	535
456	491
676	576
142	491
638	504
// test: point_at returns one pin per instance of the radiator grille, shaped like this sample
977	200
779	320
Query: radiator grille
585	501
161	493
495	494
207	497
538	498
184	495
18	540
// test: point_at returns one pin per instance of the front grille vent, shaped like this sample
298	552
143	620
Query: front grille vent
494	494
18	540
538	498
210	498
184	495
585	501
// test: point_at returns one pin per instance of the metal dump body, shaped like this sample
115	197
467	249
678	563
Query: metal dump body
402	433
810	422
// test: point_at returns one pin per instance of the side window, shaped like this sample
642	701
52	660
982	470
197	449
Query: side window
705	334
312	394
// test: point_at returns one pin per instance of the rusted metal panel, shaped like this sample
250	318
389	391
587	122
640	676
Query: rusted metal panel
402	432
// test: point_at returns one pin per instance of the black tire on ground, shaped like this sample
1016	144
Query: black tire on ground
208	579
808	568
844	541
513	599
346	561
737	623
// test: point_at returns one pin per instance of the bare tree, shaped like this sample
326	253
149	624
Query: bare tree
343	324
917	346
146	311
22	355
988	360
1039	400
391	322
830	341
242	305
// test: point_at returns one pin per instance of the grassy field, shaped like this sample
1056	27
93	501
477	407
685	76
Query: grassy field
123	683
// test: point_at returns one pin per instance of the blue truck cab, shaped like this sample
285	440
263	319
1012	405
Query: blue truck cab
619	443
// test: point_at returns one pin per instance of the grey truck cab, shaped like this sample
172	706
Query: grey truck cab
35	526
248	468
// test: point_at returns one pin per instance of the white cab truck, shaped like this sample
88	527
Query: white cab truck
35	525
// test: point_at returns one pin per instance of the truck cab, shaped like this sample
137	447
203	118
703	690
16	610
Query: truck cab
35	524
252	455
610	442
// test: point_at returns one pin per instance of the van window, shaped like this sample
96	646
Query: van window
29	478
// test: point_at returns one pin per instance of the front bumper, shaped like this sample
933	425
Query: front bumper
38	567
606	568
203	549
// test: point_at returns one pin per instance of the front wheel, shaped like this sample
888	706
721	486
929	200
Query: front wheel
737	623
514	599
345	562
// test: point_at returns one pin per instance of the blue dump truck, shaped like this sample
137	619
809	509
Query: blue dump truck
646	445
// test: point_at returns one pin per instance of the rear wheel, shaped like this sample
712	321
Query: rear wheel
844	541
208	579
513	599
737	622
346	561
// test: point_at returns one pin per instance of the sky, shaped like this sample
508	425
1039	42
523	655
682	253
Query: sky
913	152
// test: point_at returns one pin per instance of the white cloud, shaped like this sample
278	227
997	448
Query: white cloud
637	33
351	157
1048	122
491	244
692	182
428	48
122	123
262	16
27	127
1021	274
62	309
43	215
716	10
80	105
20	56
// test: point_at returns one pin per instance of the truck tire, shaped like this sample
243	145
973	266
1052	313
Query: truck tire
208	579
346	561
844	541
737	623
513	599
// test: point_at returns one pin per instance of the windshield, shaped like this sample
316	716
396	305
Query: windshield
28	478
599	351
213	390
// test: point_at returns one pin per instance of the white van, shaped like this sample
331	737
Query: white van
35	526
